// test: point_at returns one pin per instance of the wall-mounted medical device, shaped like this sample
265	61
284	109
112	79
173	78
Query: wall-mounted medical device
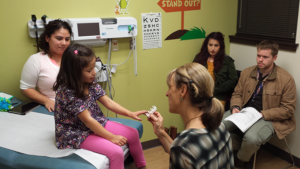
39	26
94	31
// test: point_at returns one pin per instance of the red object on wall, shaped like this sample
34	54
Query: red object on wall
179	5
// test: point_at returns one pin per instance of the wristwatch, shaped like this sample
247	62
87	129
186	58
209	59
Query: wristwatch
235	106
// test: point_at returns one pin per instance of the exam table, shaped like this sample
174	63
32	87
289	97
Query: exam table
10	159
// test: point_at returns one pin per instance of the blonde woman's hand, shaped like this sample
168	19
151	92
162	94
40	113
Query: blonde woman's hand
158	122
135	115
49	104
119	140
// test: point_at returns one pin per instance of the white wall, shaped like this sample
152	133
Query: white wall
244	56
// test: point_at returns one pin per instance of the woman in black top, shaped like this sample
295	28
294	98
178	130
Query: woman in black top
220	66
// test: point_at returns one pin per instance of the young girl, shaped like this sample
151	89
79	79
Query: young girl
79	121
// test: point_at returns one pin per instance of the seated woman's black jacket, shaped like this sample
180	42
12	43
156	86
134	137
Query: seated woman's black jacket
226	79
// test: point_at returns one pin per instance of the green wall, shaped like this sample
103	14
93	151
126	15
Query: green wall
133	92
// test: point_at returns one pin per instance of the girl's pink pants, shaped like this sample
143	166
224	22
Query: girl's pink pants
114	152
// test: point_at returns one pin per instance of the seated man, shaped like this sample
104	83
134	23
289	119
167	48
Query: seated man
271	91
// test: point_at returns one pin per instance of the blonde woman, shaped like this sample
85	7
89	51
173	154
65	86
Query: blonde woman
205	142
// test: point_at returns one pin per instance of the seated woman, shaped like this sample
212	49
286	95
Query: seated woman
219	65
205	142
41	69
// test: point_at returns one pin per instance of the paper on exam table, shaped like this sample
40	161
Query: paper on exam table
34	134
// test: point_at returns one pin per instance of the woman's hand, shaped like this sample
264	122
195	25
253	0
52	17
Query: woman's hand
135	115
158	127
119	140
158	123
49	104
39	98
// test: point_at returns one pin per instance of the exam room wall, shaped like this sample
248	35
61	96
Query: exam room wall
139	92
245	56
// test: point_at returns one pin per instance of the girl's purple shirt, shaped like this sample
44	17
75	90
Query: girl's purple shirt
70	131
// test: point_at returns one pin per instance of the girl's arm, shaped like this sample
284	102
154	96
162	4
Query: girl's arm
115	107
157	121
97	128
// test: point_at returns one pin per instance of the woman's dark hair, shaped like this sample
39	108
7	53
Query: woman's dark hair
204	54
200	86
75	58
50	28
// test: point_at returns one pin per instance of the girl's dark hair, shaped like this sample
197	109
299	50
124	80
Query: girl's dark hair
50	28
204	54
200	86
72	65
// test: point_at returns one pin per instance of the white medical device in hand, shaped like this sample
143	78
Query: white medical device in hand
152	110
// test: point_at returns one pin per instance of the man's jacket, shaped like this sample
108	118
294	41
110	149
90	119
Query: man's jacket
279	97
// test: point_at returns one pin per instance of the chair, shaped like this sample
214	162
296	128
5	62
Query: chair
287	145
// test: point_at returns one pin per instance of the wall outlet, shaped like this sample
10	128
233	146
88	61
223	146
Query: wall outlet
115	45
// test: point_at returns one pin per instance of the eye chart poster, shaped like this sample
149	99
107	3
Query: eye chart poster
151	27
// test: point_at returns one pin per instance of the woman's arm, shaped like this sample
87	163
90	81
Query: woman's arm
39	98
97	128
29	79
165	140
115	107
157	121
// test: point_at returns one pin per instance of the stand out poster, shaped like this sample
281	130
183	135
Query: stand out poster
183	6
151	30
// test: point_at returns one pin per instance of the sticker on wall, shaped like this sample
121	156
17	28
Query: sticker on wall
182	6
121	7
151	30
